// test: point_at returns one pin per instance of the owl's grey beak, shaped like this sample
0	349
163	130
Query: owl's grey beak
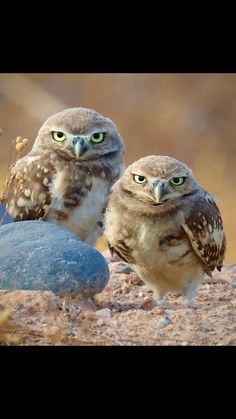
159	192
79	146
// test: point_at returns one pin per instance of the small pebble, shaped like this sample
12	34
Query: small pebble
100	322
124	269
184	343
164	321
104	313
17	306
140	294
159	302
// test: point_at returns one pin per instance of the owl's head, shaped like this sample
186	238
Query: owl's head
80	133
156	180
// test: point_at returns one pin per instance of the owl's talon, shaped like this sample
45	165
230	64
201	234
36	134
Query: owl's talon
192	306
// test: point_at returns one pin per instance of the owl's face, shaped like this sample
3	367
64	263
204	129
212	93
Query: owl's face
81	133
156	180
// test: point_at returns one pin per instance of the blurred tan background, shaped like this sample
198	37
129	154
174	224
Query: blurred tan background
191	117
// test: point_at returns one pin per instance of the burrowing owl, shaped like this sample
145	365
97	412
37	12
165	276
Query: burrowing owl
67	176
161	221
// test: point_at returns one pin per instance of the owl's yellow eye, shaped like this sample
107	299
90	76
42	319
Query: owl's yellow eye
177	181
139	179
98	137
58	136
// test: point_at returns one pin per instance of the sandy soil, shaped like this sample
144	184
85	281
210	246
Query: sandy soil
123	314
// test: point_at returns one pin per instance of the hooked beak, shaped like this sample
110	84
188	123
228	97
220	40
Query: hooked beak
79	146
159	192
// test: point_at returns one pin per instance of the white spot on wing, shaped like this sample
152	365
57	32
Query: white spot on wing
217	236
27	192
21	202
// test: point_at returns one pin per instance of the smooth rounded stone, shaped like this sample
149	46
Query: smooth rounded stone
4	218
36	255
164	321
123	269
104	313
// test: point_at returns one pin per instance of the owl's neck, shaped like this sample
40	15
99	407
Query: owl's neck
109	166
129	204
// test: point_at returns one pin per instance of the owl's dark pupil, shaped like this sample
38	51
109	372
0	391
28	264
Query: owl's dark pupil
176	179
141	178
60	134
96	136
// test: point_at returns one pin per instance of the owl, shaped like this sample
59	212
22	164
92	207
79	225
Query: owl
165	225
66	178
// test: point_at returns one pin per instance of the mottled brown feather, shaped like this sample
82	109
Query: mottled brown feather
204	228
25	185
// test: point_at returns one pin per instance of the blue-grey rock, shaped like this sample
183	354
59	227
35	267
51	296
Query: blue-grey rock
4	219
36	255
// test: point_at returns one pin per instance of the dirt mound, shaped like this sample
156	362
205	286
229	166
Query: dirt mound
123	314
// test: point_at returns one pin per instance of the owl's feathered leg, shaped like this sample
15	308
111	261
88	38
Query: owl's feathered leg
159	300
192	306
190	293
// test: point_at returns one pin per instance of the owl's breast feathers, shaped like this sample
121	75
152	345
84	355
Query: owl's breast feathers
204	228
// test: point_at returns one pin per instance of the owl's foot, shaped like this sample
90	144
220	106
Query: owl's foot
160	303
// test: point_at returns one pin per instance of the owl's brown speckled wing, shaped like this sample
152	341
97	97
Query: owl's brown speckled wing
121	250
204	228
26	192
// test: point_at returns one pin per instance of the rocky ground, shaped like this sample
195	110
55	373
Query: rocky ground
123	314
